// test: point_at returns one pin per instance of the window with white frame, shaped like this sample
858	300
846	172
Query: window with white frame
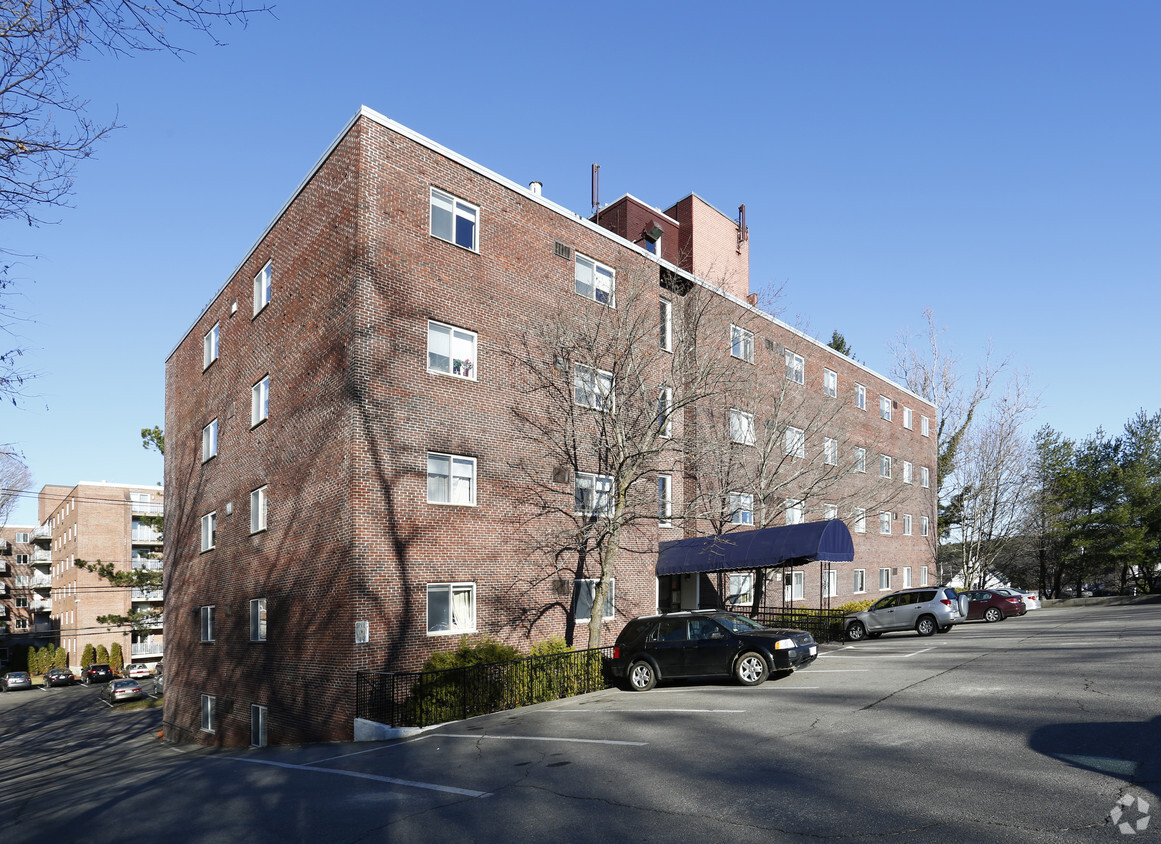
924	524
21	624
257	725
795	511
258	500
795	368
594	280
586	590
741	590
207	623
210	441
860	459
830	583
665	326
884	579
451	608
860	397
923	576
258	620
829	512
22	538
925	426
593	494
664	501
592	387
795	590
741	508
260	402
829	451
830	383
885	524
665	411
924	477
451	350
906	577
906	524
209	705
907	418
210	346
209	531
741	343
795	442
884	408
884	466
741	427
860	520
906	471
860	584
263	285
451	479
454	220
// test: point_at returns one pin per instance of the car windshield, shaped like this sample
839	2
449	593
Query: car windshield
18	675
738	623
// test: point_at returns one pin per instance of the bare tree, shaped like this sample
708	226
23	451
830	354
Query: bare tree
14	481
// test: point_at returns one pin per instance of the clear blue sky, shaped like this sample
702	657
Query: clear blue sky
995	161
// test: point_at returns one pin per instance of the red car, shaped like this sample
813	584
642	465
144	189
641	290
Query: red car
992	606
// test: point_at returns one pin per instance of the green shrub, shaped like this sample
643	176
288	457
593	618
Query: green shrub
88	656
61	660
853	606
102	654
116	659
450	695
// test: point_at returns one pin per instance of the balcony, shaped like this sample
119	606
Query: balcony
146	649
40	605
148	595
32	581
147	508
140	563
143	535
41	556
42	532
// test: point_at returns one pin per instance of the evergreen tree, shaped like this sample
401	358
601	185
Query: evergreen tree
88	656
116	658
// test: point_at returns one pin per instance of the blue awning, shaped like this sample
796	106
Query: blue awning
751	549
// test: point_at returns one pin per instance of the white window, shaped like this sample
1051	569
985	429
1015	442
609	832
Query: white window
258	510
796	588
795	511
884	408
830	583
742	427
210	441
664	501
923	576
586	590
829	511
22	538
906	524
207	623
830	383
594	280
451	479
665	326
451	608
829	451
262	287
665	411
454	220
451	350
860	459
795	368
593	494
924	477
795	444
208	707
209	531
741	508
741	590
741	344
260	401
592	387
257	725
258	620
884	580
860	397
860	520
884	466
860	580
210	346
925	426
906	577
907	423
885	524
924	524
906	471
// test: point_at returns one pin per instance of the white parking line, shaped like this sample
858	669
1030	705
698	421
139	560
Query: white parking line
447	789
542	738
649	711
839	670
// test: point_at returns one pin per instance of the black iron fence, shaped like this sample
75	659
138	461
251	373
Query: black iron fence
423	698
823	625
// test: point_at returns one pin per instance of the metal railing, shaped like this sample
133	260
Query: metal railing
823	625
423	698
148	595
147	508
145	648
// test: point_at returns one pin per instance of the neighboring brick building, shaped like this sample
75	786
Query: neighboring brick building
24	592
341	440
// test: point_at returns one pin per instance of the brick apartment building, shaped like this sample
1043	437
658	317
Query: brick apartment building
25	584
347	430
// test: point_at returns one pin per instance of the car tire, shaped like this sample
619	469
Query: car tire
642	676
993	614
926	625
874	635
751	669
945	629
856	632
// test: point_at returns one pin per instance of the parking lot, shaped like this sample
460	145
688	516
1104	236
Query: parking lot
1030	729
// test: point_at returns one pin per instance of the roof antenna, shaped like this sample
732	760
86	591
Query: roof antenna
596	188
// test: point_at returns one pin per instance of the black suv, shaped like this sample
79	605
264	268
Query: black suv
96	673
706	644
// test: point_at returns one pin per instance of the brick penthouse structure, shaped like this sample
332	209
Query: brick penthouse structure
347	425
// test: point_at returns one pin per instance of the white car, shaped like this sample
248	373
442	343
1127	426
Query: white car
136	670
1031	599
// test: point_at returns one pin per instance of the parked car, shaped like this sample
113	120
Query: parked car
706	644
135	670
927	610
59	677
1030	599
992	605
98	672
14	680
119	690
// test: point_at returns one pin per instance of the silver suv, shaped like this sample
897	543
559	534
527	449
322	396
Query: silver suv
927	610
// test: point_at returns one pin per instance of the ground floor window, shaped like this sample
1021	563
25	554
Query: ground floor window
451	608
923	576
741	590
884	579
907	577
794	588
830	584
586	590
860	580
209	705
257	726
